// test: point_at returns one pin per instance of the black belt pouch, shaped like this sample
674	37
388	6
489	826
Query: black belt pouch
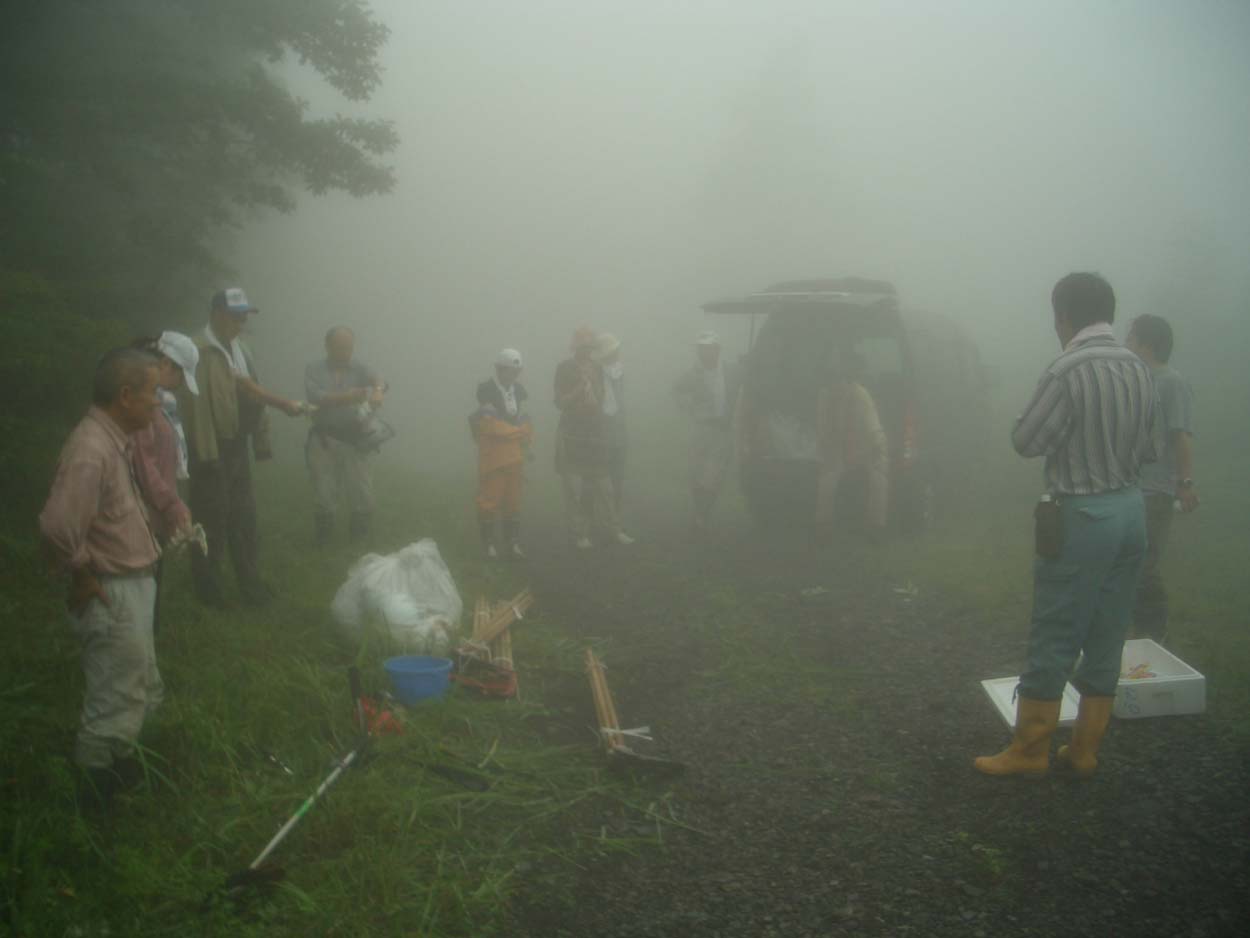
1048	529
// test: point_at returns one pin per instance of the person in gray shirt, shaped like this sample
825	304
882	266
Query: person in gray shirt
1170	479
345	392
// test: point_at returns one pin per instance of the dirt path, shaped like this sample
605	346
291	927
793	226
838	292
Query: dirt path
829	738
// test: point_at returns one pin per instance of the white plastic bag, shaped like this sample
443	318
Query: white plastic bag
409	594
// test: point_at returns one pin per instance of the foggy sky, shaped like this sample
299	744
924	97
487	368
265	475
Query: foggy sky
618	163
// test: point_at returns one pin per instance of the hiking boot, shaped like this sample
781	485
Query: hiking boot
512	550
129	772
1080	756
1028	753
96	788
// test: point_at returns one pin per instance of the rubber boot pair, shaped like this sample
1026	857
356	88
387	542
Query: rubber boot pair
1080	756
1028	754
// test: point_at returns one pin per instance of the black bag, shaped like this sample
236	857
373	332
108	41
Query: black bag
1048	528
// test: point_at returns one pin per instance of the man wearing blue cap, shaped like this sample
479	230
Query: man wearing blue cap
220	422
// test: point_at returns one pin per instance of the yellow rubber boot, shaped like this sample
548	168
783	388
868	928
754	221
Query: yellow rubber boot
1081	755
1029	750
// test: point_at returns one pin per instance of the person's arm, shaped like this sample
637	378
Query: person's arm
156	489
268	398
1046	421
1182	446
63	525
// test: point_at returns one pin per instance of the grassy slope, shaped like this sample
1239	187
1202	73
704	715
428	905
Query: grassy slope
397	849
394	849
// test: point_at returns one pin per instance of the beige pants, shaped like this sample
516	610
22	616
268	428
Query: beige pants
339	468
711	451
596	490
119	664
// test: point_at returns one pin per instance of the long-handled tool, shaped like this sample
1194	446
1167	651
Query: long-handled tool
256	874
259	877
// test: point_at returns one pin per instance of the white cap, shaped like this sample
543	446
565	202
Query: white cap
508	358
707	338
182	352
606	345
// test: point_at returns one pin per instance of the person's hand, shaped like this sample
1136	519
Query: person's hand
292	408
360	395
84	587
375	398
1188	497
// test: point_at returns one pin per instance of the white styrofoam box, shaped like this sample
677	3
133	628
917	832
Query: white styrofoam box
1176	688
1000	691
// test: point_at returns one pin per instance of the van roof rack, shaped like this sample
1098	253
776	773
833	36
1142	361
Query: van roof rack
846	291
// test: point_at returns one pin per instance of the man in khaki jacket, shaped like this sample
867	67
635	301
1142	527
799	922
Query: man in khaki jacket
220	422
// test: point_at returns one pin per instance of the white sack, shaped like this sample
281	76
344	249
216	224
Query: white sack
410	594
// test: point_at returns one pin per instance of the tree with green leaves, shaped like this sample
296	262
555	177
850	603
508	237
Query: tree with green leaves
134	133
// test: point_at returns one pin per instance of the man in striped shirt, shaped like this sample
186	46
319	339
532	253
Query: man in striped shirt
1091	417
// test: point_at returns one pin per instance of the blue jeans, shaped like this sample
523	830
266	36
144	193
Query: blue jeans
1083	599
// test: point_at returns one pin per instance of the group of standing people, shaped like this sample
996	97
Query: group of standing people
1113	423
169	411
592	440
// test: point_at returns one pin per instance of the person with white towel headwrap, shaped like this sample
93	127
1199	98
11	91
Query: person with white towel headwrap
708	392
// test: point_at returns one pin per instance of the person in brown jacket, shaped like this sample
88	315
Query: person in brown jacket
581	445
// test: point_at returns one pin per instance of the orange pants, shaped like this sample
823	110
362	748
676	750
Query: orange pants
499	493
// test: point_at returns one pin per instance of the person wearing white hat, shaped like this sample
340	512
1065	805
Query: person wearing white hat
225	423
707	392
159	451
503	433
608	354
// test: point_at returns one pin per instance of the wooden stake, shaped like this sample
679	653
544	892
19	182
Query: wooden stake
514	609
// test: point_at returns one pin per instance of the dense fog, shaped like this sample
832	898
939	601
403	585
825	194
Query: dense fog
618	164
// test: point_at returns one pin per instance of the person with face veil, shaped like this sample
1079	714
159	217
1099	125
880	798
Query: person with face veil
503	433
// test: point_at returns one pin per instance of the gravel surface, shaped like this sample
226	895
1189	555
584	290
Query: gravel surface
847	803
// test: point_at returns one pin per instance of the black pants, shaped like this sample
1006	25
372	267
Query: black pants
222	501
1150	615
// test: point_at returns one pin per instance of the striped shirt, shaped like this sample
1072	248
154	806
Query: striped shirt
1091	417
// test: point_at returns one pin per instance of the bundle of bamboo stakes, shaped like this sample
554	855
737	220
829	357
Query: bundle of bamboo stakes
605	708
486	661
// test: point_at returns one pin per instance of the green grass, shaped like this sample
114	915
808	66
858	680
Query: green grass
397	848
394	848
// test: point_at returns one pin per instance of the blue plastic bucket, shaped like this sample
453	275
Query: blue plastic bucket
415	678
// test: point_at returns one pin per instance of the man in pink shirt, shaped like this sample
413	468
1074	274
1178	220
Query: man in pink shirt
95	527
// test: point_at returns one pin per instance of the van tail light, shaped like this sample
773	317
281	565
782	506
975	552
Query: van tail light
911	449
